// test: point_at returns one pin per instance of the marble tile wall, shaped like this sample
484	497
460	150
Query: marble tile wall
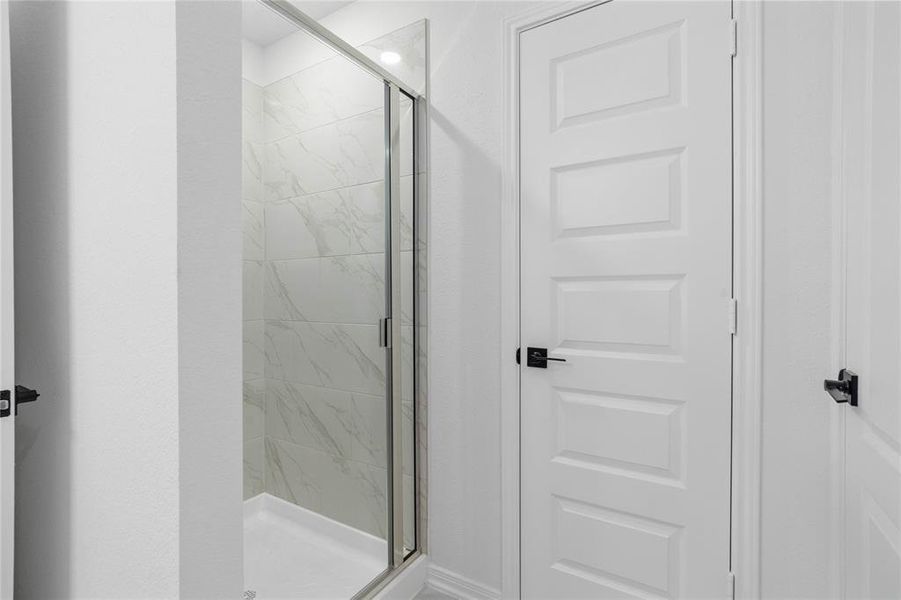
324	292
254	255
315	412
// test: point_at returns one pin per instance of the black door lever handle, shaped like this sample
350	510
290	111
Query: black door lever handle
843	389
537	357
22	395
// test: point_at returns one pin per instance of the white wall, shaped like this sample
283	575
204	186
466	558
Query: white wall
127	299
796	507
210	242
96	287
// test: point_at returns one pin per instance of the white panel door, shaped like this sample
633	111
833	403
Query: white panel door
7	340
626	208
872	194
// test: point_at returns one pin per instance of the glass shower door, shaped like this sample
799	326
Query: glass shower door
333	360
316	289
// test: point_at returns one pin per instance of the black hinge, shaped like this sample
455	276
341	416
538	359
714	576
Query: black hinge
517	356
23	396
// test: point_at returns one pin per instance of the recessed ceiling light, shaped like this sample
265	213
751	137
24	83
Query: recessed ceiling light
390	58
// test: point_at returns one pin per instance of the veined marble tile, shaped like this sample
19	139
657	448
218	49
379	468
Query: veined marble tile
338	356
254	356
333	289
369	429
422	451
310	416
291	291
348	220
406	212
296	474
422	274
345	490
353	288
252	113
253	290
338	423
252	229
252	156
341	154
407	359
407	289
409	43
253	468
326	92
408	436
343	221
361	497
405	143
422	383
349	425
254	408
422	360
409	491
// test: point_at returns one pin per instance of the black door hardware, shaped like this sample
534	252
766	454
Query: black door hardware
844	389
537	357
23	395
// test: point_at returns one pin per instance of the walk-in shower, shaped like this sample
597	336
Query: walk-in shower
334	287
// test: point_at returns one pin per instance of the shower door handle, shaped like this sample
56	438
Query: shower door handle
385	332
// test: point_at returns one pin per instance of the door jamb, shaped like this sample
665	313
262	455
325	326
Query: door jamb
747	275
7	318
747	286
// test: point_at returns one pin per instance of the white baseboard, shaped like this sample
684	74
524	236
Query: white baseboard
459	587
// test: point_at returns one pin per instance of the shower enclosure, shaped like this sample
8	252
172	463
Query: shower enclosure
334	287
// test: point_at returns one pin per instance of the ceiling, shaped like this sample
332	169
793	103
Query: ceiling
263	26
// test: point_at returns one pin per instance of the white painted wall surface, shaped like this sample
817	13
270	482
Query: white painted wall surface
95	217
210	244
796	506
128	305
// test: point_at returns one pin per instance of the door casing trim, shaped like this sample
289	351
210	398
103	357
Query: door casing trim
747	273
747	288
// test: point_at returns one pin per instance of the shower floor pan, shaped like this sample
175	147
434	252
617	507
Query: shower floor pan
294	553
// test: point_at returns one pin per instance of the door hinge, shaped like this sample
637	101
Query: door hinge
730	581
385	332
733	34
733	316
517	356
